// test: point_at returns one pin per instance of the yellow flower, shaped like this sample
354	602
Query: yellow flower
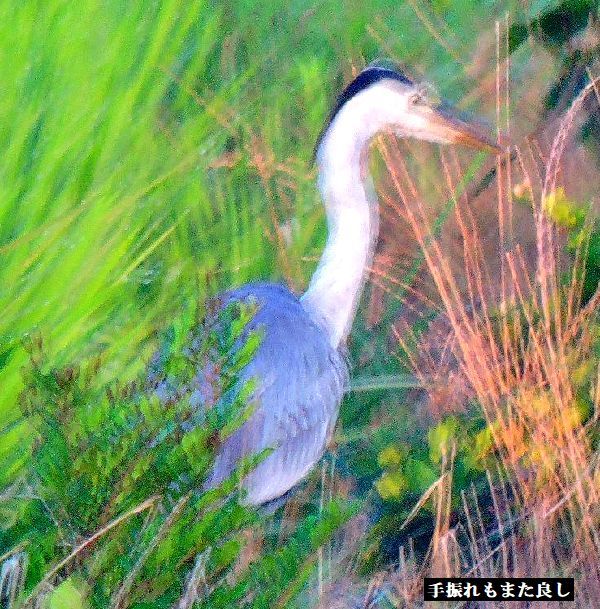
441	437
391	485
560	209
389	456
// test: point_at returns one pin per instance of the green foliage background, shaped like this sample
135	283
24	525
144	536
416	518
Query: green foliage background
113	217
117	214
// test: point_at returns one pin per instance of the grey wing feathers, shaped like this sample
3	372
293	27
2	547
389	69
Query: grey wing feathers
300	381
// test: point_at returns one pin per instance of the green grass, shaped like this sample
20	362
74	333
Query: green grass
111	216
118	210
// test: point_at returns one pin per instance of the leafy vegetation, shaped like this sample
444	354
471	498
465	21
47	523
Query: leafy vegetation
155	153
113	483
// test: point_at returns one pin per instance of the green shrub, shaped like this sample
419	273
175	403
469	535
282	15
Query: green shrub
109	508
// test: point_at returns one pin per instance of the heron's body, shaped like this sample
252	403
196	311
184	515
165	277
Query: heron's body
297	399
299	367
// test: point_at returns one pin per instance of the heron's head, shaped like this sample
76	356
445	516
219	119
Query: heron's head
382	98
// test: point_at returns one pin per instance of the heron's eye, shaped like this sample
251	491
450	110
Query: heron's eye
418	98
424	95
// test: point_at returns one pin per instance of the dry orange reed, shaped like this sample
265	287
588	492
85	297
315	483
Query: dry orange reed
519	338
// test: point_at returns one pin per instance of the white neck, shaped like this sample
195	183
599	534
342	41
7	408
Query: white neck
350	202
352	218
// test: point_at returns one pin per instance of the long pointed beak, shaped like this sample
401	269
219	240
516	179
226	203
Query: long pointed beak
452	126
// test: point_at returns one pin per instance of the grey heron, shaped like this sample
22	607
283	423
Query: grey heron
300	367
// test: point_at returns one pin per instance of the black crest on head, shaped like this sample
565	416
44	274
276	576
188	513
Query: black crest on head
374	72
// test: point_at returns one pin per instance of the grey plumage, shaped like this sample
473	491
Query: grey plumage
300	383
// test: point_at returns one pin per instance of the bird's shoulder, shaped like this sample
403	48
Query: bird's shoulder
277	311
267	296
295	361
